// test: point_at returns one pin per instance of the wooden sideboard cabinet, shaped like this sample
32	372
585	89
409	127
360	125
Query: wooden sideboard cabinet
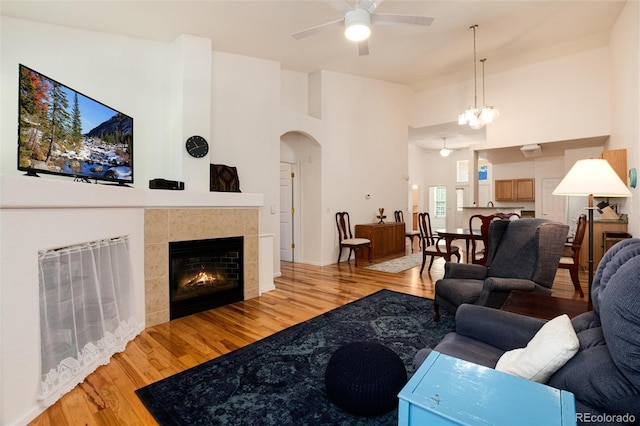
386	239
515	189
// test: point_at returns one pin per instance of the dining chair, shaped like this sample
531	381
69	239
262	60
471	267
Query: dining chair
409	233
508	216
480	223
432	245
571	255
346	239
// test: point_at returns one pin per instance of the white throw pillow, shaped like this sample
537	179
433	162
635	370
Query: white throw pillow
552	346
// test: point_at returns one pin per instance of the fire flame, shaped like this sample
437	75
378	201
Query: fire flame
203	278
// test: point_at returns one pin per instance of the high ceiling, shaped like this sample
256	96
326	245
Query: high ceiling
510	33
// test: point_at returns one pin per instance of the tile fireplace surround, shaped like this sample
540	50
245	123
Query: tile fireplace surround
162	226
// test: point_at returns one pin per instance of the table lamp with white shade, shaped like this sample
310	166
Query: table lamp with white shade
592	178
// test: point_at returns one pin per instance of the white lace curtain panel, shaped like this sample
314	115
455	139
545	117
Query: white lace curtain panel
86	311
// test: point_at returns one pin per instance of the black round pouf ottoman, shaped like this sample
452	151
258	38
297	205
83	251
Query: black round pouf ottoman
364	378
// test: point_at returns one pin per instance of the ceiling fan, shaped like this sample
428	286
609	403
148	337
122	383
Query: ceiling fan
445	152
357	21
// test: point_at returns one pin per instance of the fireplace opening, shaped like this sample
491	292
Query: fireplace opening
205	274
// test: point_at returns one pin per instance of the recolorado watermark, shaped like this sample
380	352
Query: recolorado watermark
605	418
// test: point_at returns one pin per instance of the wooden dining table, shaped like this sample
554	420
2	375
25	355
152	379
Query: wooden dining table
458	234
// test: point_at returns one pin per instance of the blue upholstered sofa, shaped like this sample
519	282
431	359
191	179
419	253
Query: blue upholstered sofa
604	375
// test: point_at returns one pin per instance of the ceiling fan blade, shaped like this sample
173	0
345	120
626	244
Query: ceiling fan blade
388	19
369	5
341	6
363	48
313	30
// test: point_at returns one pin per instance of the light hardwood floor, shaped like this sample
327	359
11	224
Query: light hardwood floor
303	291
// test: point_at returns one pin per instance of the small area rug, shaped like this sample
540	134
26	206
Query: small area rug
398	265
279	380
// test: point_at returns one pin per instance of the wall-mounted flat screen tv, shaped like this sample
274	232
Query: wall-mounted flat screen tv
63	132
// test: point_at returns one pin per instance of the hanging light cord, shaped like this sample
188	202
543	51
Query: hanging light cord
484	103
476	117
475	73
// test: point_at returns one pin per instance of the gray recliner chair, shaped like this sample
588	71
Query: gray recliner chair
604	375
522	255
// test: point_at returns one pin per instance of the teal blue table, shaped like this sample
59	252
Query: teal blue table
450	391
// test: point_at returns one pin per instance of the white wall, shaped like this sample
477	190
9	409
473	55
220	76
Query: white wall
361	134
294	91
417	171
362	131
364	151
563	99
625	98
524	169
190	108
435	170
24	232
124	73
245	130
152	82
300	144
141	79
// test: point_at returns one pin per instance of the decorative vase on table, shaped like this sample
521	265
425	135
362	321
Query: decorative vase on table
381	216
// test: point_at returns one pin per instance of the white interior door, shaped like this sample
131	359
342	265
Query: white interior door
286	212
553	206
438	206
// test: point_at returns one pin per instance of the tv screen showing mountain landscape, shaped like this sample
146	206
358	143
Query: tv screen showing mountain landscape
62	131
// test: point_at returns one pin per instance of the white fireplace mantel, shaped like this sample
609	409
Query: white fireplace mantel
27	192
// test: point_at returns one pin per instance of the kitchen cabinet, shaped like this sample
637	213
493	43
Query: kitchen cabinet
504	190
515	189
599	228
617	158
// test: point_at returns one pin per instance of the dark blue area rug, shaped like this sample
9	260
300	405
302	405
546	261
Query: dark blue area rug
279	380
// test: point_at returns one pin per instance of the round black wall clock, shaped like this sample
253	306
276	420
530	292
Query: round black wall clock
197	146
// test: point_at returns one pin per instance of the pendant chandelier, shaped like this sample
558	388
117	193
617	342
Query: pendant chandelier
476	117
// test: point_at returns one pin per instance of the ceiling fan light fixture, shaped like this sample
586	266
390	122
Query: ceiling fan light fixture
444	152
357	32
357	25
